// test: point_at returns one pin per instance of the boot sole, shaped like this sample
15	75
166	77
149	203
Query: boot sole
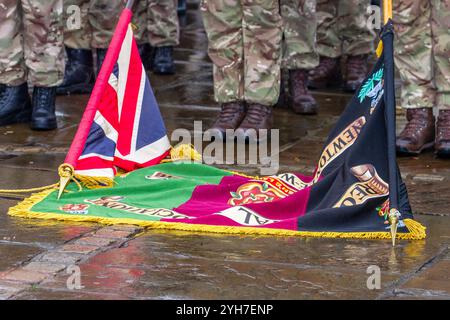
75	89
443	153
164	70
405	152
23	117
43	125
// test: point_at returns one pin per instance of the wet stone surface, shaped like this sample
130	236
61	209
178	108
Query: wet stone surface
173	265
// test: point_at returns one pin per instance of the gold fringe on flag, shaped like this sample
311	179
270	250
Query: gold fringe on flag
416	230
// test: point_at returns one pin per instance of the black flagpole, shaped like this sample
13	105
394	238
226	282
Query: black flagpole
390	115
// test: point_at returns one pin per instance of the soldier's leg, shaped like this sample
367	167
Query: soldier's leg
263	31
223	21
43	40
299	43
15	105
413	58
328	39
299	51
163	27
357	40
356	36
12	63
103	17
140	18
44	57
440	25
262	51
328	46
223	25
163	33
79	73
77	29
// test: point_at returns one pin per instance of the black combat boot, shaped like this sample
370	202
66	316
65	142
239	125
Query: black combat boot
101	54
79	74
163	60
15	104
182	7
145	51
43	117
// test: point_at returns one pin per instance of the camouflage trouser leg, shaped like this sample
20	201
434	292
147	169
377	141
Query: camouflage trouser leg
12	62
162	25
299	29
342	28
31	38
77	29
422	53
440	28
140	19
103	17
246	59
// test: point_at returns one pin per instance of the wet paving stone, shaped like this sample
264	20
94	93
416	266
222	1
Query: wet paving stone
169	265
22	239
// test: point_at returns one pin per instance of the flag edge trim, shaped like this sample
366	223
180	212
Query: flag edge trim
23	209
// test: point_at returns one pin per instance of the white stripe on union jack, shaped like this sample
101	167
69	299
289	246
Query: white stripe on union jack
128	131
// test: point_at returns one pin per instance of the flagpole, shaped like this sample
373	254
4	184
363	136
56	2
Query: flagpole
66	171
390	114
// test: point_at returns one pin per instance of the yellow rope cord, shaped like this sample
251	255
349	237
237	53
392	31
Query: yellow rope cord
52	186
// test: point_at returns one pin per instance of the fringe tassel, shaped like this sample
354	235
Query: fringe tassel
94	182
184	152
23	209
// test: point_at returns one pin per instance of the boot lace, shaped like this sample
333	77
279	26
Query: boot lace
257	113
228	112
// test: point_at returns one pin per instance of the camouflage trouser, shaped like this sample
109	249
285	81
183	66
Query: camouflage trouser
31	42
299	30
342	28
422	52
157	22
245	47
77	29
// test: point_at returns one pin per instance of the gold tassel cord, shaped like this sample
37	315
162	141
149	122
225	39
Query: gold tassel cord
30	190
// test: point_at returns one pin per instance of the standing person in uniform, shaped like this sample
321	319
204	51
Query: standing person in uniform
245	47
299	51
31	50
342	30
422	56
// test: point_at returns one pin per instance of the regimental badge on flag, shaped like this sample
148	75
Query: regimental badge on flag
128	131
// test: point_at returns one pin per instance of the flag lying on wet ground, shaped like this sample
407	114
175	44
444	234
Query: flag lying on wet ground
347	196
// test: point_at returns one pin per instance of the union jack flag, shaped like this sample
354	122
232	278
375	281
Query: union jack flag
128	131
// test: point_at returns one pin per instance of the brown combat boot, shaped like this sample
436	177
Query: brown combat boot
326	74
356	72
301	100
258	117
442	146
418	133
230	117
